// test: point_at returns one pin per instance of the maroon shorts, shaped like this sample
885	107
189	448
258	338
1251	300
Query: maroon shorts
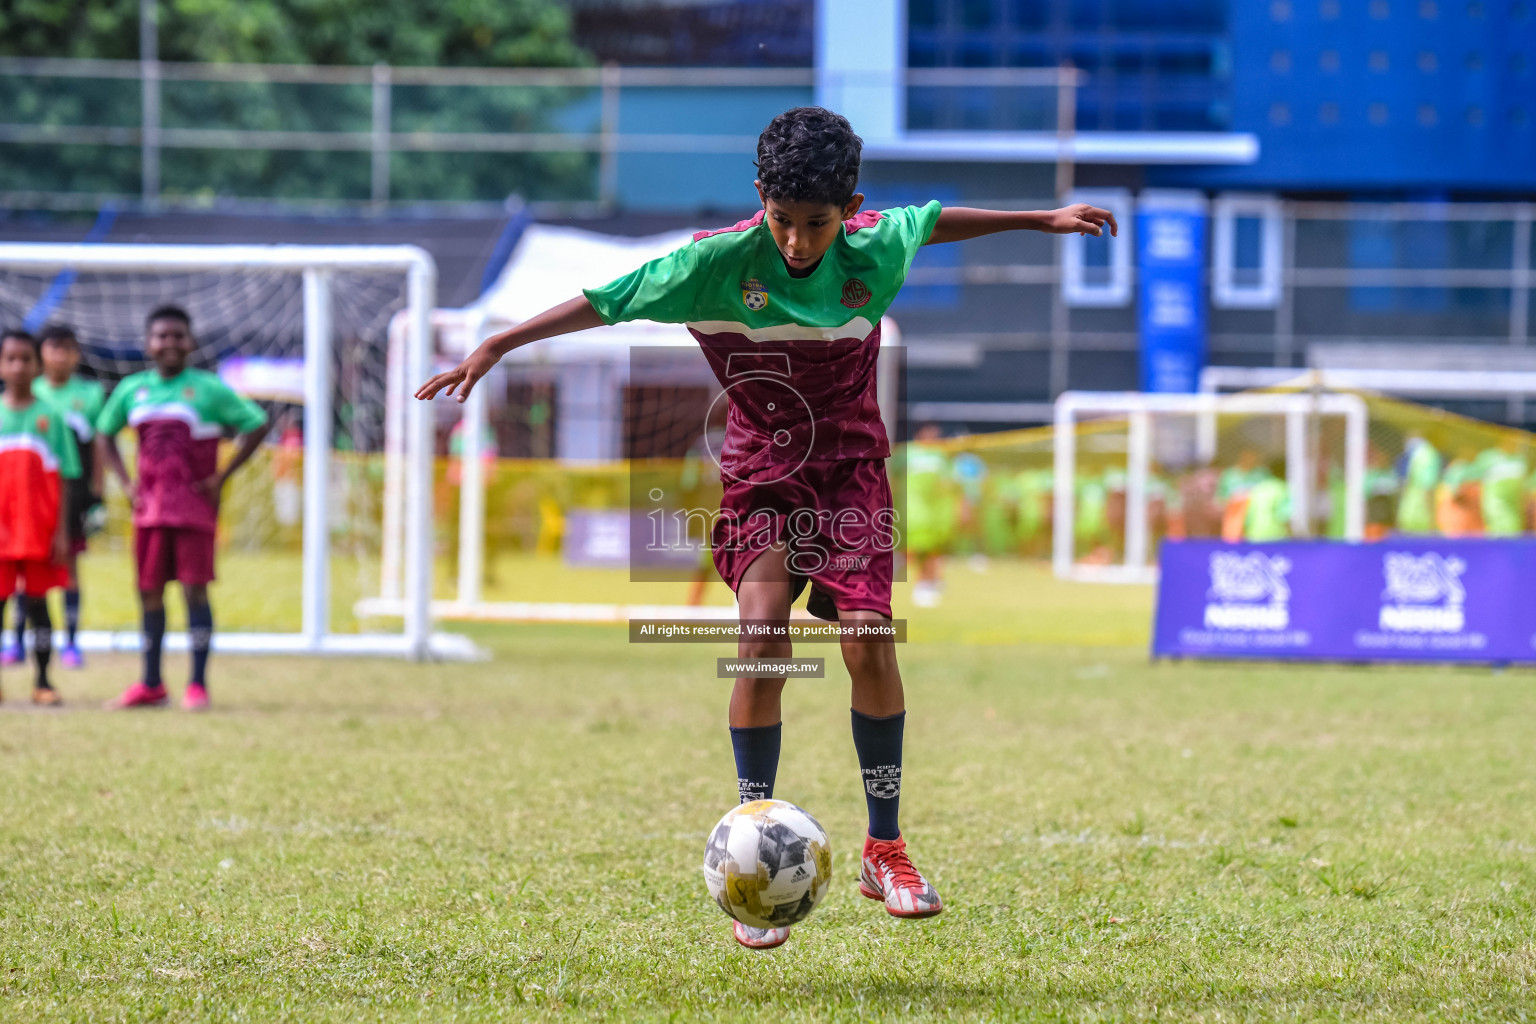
168	553
37	577
836	518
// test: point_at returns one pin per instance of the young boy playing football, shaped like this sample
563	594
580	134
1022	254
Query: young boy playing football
787	308
180	413
37	457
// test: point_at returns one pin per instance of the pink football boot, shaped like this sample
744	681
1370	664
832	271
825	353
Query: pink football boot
138	696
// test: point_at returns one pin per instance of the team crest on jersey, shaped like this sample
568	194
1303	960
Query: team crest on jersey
42	424
188	393
855	293
753	294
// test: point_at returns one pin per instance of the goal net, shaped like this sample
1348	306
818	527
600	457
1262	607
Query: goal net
1130	470
305	331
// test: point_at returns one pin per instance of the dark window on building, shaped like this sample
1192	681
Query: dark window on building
1152	65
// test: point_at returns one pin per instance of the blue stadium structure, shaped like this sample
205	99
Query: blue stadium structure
1378	96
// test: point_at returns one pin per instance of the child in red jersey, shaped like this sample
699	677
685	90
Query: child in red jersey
180	414
787	308
37	458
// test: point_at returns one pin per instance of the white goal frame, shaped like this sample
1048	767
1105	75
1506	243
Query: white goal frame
317	264
1138	408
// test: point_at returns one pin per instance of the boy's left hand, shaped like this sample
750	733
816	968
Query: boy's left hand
61	548
1082	219
212	488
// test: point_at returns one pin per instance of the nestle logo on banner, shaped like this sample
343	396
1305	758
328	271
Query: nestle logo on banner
1424	594
1248	592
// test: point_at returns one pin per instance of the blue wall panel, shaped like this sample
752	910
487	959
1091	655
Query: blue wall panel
696	181
1382	94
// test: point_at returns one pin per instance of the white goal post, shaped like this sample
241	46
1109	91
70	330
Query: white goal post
1138	411
316	264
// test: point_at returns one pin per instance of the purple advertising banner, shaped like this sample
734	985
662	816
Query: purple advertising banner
1405	599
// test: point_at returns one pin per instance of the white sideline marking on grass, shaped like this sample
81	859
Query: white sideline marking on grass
557	611
444	646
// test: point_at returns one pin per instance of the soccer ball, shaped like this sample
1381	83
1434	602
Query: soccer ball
768	863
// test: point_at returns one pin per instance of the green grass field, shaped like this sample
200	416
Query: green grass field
1115	840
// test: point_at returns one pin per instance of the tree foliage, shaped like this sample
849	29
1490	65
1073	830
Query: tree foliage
474	33
489	33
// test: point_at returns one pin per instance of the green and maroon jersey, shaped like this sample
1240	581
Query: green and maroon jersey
179	421
795	355
37	453
81	400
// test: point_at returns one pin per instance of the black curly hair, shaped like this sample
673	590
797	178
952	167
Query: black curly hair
58	334
167	313
809	155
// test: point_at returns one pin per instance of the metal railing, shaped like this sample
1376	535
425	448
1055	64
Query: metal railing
600	88
1488	291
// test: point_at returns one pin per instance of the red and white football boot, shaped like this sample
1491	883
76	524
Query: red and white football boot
889	875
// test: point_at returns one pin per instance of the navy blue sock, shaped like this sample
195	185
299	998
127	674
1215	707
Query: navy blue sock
757	759
154	638
878	743
200	636
71	616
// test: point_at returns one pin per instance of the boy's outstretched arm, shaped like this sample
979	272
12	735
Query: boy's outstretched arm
567	318
957	223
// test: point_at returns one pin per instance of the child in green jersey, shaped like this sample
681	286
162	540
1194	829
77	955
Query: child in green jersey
1501	472
1421	474
81	399
931	512
786	307
37	461
180	413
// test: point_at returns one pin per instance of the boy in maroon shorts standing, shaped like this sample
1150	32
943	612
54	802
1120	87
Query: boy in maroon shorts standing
180	414
787	309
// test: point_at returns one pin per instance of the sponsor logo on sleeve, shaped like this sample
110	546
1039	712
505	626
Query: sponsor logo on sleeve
855	293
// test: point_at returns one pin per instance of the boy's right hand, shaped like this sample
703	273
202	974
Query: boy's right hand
462	377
